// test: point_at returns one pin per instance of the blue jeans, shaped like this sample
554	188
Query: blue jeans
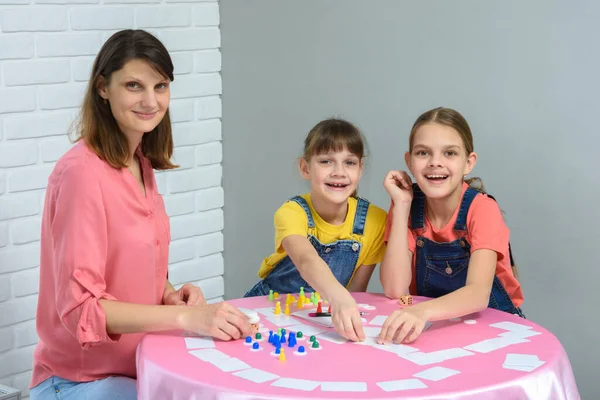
114	388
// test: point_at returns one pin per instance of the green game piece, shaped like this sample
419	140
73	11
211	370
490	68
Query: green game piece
301	290
315	345
299	335
313	338
279	331
270	295
258	336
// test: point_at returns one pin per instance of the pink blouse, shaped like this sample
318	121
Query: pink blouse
101	239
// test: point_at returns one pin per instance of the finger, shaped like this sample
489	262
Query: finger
193	298
201	299
233	310
393	329
415	333
174	299
404	331
407	182
338	324
219	334
349	328
358	328
236	327
386	325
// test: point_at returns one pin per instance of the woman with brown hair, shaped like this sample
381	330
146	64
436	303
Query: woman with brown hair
105	235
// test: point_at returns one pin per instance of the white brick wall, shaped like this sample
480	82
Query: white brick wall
46	52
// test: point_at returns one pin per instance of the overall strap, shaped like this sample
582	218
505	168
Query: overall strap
306	208
360	218
465	204
417	208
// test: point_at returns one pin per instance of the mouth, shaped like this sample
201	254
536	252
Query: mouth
437	178
144	115
337	186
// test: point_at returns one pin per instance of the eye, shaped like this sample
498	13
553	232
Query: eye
324	161
451	153
421	152
351	163
162	86
133	85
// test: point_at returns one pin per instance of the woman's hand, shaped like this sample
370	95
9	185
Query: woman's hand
221	320
188	294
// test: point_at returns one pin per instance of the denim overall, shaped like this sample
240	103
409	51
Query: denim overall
340	256
441	268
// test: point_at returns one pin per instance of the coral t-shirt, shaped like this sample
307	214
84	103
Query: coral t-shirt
485	230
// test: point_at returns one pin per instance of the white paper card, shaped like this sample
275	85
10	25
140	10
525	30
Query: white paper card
510	326
332	337
420	358
436	373
256	375
378	320
280	320
523	334
404	384
489	345
344	386
298	384
229	364
267	311
199	342
372	331
306	330
209	355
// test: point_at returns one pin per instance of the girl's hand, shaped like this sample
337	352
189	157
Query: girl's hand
346	318
220	320
188	294
403	325
399	186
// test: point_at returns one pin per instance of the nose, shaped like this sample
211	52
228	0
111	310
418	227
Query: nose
339	170
149	100
435	160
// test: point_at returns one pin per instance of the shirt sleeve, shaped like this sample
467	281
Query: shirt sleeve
289	219
388	226
377	218
486	226
79	240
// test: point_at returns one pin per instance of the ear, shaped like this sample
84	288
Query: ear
304	168
360	168
471	161
101	87
408	162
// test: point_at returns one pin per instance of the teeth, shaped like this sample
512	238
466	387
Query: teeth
337	184
436	176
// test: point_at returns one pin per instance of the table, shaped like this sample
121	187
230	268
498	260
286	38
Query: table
487	355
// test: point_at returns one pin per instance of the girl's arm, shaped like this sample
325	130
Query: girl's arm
316	272
472	297
395	272
361	278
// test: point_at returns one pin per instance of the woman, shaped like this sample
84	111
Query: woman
105	235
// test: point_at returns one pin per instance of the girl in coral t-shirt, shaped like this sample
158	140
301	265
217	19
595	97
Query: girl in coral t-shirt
456	247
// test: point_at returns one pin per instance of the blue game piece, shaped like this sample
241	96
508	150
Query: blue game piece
301	349
276	340
283	331
278	350
270	336
255	346
282	338
248	339
292	340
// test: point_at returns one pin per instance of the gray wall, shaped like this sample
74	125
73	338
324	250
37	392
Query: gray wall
524	74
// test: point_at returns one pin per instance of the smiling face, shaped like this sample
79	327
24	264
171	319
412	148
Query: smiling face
439	160
333	175
138	96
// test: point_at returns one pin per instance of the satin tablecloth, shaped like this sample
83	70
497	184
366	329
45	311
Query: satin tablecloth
474	370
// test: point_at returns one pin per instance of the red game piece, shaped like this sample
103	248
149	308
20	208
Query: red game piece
319	308
329	309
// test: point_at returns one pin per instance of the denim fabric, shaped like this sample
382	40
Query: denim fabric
114	388
341	257
441	268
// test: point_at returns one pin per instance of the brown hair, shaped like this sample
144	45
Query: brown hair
97	125
453	119
334	134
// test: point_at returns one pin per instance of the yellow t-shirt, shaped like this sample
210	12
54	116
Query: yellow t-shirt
290	219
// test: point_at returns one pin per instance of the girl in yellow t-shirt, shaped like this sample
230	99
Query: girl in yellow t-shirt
328	240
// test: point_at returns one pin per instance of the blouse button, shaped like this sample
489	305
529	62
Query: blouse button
328	249
420	243
354	246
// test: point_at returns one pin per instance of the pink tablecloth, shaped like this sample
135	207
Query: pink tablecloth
473	367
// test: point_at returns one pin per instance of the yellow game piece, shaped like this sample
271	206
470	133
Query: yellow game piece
287	309
275	295
318	296
300	303
288	299
277	308
281	354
